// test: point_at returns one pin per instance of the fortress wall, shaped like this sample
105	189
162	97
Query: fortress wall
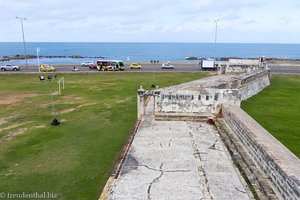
280	165
205	99
252	85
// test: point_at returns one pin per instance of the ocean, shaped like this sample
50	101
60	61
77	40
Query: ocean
145	52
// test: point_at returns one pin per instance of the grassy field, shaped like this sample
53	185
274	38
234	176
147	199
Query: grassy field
277	109
72	160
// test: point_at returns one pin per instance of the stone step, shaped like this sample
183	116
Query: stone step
181	117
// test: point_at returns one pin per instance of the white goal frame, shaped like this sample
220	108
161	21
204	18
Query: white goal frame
61	80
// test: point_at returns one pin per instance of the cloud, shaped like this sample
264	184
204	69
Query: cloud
141	20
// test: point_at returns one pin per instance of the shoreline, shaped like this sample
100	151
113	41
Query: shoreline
277	62
79	57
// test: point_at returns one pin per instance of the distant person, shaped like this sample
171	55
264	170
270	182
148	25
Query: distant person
75	69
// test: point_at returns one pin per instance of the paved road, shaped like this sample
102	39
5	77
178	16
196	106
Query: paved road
147	67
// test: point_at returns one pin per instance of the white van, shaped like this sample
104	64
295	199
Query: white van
208	64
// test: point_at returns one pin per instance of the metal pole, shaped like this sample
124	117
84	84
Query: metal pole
38	58
52	102
216	35
24	44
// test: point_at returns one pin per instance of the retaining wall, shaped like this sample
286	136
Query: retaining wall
253	84
280	165
208	96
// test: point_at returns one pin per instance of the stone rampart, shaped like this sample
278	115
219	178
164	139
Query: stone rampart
207	97
280	165
253	84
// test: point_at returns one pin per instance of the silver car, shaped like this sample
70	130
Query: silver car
87	64
10	68
167	66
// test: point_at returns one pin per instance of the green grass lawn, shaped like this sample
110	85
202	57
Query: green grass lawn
73	160
277	109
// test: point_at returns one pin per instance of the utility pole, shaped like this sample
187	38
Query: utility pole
38	58
216	35
24	44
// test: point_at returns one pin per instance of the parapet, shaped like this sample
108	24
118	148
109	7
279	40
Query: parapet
205	97
238	66
279	165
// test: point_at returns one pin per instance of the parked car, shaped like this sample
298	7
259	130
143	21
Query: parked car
135	66
93	66
47	68
87	64
120	65
167	66
10	68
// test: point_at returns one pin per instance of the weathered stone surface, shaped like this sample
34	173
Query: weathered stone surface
177	160
186	160
205	96
278	164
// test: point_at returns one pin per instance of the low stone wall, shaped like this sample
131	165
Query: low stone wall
280	165
253	84
204	98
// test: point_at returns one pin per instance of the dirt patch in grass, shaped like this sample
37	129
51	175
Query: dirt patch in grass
16	132
41	126
70	99
12	126
117	101
3	121
13	134
76	108
14	98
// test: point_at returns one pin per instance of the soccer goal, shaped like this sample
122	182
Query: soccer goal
61	81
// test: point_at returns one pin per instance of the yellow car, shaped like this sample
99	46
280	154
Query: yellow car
47	68
135	66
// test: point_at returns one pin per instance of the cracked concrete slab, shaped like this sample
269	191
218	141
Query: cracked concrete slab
177	160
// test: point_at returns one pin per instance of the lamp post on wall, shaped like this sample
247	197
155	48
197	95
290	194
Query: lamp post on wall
216	36
21	20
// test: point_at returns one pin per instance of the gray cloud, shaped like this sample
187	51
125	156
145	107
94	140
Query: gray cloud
141	20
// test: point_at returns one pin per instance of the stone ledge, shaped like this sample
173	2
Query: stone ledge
278	164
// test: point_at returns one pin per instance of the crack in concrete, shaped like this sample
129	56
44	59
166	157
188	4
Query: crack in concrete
170	142
149	167
165	171
240	190
213	146
177	170
154	181
200	170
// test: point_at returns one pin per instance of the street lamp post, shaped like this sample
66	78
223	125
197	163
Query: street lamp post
38	58
216	35
24	44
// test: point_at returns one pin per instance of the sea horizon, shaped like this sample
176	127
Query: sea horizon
146	51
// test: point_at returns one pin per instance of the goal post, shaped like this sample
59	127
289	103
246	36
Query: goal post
61	81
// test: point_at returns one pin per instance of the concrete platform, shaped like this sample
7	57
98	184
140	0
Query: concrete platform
177	160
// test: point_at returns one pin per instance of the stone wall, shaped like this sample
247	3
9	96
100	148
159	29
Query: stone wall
280	165
253	84
207	97
238	66
196	102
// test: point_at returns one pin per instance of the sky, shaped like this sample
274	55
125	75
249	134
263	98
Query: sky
240	21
